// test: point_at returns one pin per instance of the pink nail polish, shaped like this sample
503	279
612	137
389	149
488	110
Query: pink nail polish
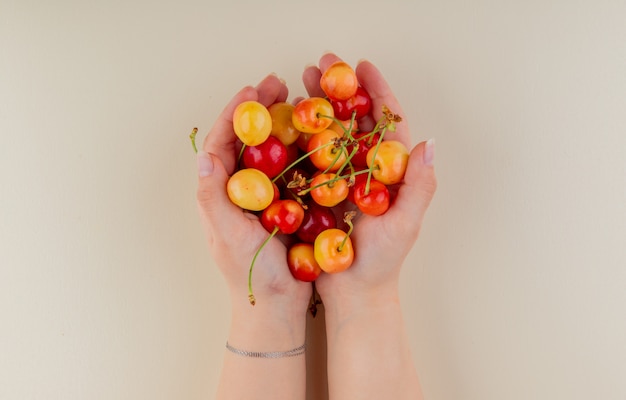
429	152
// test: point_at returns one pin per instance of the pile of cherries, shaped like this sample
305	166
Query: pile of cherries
302	166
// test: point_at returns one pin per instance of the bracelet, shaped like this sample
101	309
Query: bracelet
269	354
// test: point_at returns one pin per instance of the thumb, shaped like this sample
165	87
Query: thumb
216	209
419	187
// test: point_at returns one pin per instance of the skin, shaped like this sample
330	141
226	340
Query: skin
368	349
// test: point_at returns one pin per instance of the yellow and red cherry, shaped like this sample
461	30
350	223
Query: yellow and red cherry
339	81
333	250
388	161
250	189
252	122
303	140
282	122
343	126
312	115
328	189
327	153
270	157
302	263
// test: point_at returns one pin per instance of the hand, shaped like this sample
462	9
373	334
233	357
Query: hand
234	235
381	243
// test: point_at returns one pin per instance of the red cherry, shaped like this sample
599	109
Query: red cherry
376	201
316	219
270	157
357	180
366	142
360	102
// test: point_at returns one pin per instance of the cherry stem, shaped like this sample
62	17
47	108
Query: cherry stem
371	169
331	181
314	301
347	220
355	148
251	297
340	151
293	164
243	147
192	136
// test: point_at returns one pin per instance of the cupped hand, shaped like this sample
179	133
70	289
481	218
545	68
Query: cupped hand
381	243
233	235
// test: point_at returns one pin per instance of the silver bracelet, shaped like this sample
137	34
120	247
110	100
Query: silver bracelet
269	354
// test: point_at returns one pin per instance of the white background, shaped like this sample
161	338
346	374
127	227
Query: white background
515	290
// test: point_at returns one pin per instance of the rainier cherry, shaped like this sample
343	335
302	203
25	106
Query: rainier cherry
282	122
333	250
312	115
388	161
302	263
252	122
339	81
328	189
327	153
250	189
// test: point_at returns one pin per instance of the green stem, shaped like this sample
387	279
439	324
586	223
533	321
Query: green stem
192	136
331	181
337	121
243	147
348	221
371	169
293	164
337	157
250	294
349	158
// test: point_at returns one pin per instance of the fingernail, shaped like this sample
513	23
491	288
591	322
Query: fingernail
429	152
205	164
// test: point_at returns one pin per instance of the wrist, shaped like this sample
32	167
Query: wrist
267	326
355	305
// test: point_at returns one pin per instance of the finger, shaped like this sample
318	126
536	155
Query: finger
417	191
327	60
221	139
270	89
376	86
283	94
311	79
312	74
